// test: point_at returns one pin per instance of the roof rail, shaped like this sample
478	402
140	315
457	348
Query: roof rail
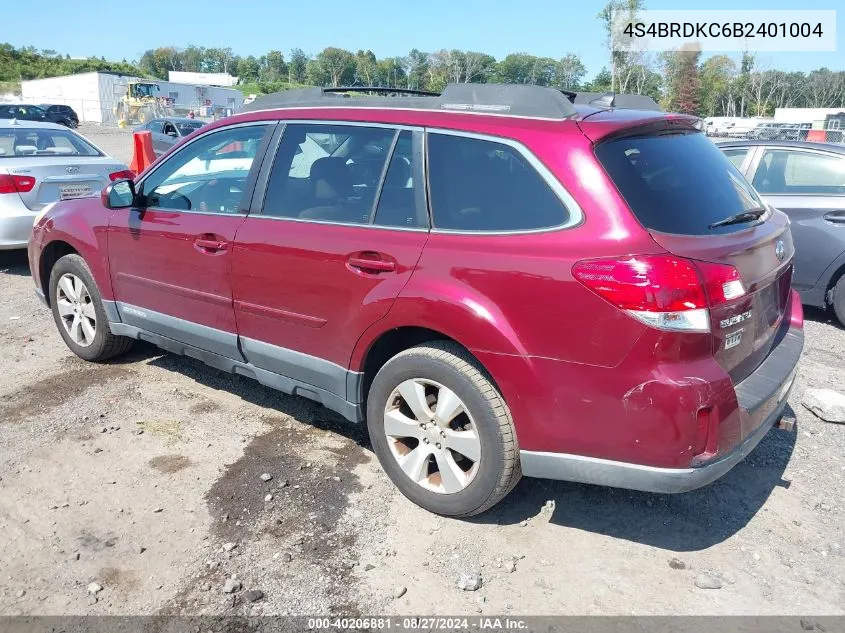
613	100
517	100
381	90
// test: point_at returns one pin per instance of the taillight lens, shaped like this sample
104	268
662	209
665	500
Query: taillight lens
663	291
16	183
721	281
126	174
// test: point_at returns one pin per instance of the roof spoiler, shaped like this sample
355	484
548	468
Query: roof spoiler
506	99
613	100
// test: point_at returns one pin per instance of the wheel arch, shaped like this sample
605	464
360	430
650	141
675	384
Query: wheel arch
838	271
50	254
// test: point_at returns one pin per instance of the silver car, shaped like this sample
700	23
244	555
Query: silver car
41	163
169	131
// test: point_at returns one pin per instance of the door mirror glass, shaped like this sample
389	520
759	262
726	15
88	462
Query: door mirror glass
119	194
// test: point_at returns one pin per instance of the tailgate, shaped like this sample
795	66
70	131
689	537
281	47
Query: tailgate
743	330
696	205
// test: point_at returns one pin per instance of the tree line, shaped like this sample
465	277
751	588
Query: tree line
20	64
335	66
679	80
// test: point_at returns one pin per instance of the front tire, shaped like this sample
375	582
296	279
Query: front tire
839	300
442	431
79	313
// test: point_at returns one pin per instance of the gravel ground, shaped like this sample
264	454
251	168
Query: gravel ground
136	487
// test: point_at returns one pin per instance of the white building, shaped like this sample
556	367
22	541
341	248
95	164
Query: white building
201	79
93	95
821	118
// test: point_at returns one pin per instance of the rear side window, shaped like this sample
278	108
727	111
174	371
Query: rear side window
677	183
483	185
795	172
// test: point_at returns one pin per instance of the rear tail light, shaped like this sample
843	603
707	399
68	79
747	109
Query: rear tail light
126	174
15	183
663	291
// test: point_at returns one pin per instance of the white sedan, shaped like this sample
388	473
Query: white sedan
42	163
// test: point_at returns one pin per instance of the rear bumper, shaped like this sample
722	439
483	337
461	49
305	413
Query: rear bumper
15	223
761	398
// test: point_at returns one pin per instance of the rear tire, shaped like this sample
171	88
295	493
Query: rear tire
79	313
415	443
839	299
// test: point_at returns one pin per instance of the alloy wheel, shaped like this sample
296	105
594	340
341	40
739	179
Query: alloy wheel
432	436
76	309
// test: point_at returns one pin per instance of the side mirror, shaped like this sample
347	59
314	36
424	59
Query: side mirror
172	133
118	195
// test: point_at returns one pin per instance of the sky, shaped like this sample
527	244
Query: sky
548	28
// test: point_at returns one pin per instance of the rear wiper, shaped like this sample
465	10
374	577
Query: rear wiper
739	218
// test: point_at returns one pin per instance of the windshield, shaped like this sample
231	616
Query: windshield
43	142
144	90
678	183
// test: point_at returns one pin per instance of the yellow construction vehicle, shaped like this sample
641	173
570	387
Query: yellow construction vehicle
141	103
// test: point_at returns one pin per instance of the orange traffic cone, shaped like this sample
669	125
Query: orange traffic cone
143	155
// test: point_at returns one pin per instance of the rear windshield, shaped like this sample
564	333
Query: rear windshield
678	183
21	141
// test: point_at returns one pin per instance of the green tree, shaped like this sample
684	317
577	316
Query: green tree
600	83
337	64
416	68
366	68
717	75
247	69
297	66
570	71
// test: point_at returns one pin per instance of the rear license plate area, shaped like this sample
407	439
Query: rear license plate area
74	191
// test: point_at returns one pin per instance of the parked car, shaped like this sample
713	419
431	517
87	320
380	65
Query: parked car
22	112
169	131
806	181
62	114
499	281
41	163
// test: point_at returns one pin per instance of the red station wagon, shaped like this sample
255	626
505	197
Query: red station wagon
499	281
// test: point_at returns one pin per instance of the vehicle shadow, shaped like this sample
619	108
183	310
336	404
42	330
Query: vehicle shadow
14	263
684	522
251	391
820	315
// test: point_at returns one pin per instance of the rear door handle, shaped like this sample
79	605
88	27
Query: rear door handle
210	244
372	265
837	217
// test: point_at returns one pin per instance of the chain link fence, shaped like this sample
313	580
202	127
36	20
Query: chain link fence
777	132
104	111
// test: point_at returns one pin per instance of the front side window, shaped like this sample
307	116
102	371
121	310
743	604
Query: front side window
155	126
329	173
483	185
795	172
208	175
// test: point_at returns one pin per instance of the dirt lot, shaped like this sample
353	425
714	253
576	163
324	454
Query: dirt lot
144	476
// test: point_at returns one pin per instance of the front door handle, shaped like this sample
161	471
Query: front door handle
367	265
837	217
210	244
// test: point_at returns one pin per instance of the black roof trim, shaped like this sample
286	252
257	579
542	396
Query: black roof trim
504	99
